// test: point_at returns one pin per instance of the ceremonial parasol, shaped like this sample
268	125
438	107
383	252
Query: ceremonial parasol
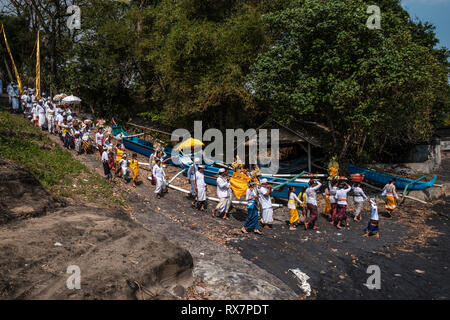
71	99
59	97
189	143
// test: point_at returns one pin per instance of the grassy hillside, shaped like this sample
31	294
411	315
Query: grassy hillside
53	166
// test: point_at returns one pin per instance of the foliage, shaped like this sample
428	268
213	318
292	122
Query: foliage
375	89
237	63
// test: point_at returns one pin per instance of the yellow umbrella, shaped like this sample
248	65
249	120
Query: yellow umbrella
190	143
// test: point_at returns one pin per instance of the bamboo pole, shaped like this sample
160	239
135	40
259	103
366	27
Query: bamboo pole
379	189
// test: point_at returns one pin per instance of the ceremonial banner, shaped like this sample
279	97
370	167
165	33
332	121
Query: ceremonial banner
239	184
12	60
38	70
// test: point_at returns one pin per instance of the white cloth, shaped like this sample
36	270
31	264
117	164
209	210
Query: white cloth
374	212
332	191
40	110
358	194
160	185
293	199
341	196
193	192
311	194
158	172
265	201
59	119
85	136
191	172
99	138
160	176
51	122
105	156
201	186
390	190
250	194
124	165
222	187
267	215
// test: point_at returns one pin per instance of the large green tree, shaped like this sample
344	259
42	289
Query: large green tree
373	88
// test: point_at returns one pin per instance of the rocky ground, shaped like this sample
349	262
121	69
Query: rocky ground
412	252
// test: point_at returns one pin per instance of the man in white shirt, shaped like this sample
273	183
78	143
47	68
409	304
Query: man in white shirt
264	190
51	115
23	101
160	176
200	188
311	203
358	197
124	165
341	198
191	178
105	162
99	139
41	114
373	227
223	186
59	121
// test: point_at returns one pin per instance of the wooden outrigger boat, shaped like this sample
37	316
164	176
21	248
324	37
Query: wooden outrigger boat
211	172
384	178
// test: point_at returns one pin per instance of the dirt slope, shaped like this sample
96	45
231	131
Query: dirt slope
21	195
118	258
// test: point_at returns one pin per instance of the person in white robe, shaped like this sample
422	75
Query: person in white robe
10	91
223	188
51	117
124	165
15	98
358	197
200	188
41	114
191	177
160	176
264	191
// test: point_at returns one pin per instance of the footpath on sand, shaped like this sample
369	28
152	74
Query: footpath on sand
219	272
411	252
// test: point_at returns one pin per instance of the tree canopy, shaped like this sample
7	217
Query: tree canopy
237	63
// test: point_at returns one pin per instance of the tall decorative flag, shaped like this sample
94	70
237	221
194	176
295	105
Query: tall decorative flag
12	60
38	70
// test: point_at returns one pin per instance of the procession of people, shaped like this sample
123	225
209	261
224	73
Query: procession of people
84	137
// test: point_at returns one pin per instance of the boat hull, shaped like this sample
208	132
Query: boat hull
383	178
211	172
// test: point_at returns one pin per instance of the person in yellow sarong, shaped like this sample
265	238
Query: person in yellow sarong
119	154
304	212
134	166
292	206
327	209
390	192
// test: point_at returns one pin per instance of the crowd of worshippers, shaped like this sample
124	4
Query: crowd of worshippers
302	204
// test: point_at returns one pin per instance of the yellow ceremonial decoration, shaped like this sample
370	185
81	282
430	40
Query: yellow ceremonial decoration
239	184
38	70
12	60
333	168
190	143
